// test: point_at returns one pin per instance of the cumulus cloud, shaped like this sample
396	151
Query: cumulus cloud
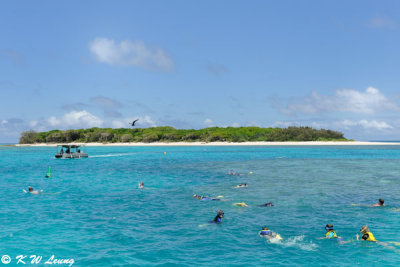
75	119
128	53
344	100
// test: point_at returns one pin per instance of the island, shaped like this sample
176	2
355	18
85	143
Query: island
168	134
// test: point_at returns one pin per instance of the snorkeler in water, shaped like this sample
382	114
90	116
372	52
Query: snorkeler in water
141	185
241	185
381	202
269	204
330	232
367	235
32	191
265	232
218	218
204	198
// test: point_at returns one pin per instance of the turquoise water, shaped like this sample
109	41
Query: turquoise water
95	214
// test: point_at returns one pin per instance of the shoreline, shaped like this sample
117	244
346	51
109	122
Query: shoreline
172	144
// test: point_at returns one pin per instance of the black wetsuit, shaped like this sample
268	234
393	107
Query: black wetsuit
218	218
267	205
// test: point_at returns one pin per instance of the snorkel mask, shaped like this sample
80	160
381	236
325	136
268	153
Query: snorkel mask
329	227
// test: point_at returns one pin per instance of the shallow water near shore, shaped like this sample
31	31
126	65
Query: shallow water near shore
94	213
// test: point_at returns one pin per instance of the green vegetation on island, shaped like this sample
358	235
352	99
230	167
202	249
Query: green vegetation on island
170	134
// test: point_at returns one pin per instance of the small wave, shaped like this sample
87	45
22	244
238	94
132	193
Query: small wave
298	241
112	155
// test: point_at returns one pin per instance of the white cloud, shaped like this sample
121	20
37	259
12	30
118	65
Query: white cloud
75	119
53	121
372	124
129	53
344	100
208	121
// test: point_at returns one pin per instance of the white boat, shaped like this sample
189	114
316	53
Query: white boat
70	152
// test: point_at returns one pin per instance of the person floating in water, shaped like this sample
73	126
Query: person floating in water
241	185
218	218
205	198
32	191
269	204
367	235
141	185
381	202
241	204
330	232
265	232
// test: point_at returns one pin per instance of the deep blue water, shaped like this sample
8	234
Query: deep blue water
92	211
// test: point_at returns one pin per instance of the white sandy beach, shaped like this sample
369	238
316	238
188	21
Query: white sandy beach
307	143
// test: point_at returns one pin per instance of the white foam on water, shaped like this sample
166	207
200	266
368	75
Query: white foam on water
112	155
298	241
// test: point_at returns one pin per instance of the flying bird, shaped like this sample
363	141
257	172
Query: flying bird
133	123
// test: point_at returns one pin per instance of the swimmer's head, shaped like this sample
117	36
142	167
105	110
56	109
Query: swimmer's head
364	229
30	188
220	213
381	201
329	227
265	228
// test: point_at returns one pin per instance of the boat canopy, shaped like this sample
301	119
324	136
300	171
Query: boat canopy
69	146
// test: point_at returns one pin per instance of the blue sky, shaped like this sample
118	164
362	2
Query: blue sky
195	64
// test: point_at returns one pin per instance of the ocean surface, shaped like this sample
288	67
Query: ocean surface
92	211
